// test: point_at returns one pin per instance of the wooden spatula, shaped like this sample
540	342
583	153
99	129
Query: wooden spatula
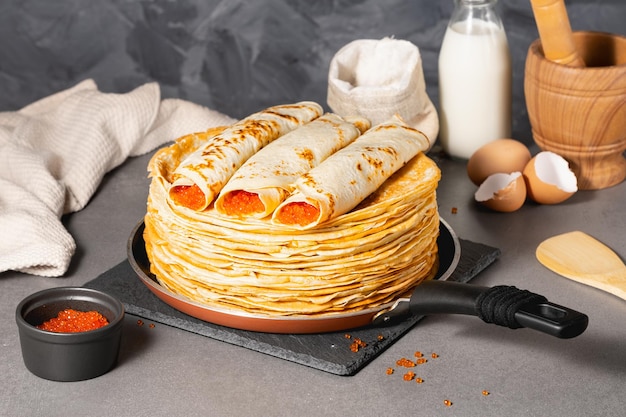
580	257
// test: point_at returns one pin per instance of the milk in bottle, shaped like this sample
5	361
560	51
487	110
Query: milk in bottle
474	79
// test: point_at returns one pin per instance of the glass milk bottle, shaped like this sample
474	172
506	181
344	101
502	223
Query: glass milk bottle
474	79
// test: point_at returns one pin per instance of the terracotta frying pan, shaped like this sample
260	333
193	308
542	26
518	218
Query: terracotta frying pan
436	296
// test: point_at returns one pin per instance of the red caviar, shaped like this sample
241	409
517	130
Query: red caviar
298	212
408	376
242	203
190	196
74	321
405	362
357	344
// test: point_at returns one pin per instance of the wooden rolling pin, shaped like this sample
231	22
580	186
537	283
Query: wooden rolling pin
555	32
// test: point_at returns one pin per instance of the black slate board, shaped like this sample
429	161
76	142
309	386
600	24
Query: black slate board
329	352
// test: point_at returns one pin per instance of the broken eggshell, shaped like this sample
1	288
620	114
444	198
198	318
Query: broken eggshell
549	179
502	192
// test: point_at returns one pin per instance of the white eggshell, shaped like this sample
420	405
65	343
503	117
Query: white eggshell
502	192
549	179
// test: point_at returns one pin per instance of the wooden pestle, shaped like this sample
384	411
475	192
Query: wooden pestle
555	32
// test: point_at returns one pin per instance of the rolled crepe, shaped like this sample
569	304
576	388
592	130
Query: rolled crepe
345	178
268	177
200	177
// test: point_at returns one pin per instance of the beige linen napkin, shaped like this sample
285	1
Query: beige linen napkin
55	152
379	78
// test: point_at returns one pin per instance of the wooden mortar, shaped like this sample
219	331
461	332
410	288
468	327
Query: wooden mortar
580	113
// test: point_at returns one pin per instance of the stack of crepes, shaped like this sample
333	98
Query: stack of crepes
359	218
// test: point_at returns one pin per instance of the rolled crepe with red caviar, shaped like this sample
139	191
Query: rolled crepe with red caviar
348	176
200	177
268	177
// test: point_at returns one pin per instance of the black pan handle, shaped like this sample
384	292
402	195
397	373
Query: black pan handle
503	305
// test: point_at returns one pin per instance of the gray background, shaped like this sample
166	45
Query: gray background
237	56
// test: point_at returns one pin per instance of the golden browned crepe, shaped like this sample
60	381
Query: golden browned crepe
201	175
268	177
345	178
361	259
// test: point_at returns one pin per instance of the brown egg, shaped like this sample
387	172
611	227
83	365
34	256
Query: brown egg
500	156
502	192
549	179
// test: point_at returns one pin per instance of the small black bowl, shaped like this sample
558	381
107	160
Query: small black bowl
69	356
